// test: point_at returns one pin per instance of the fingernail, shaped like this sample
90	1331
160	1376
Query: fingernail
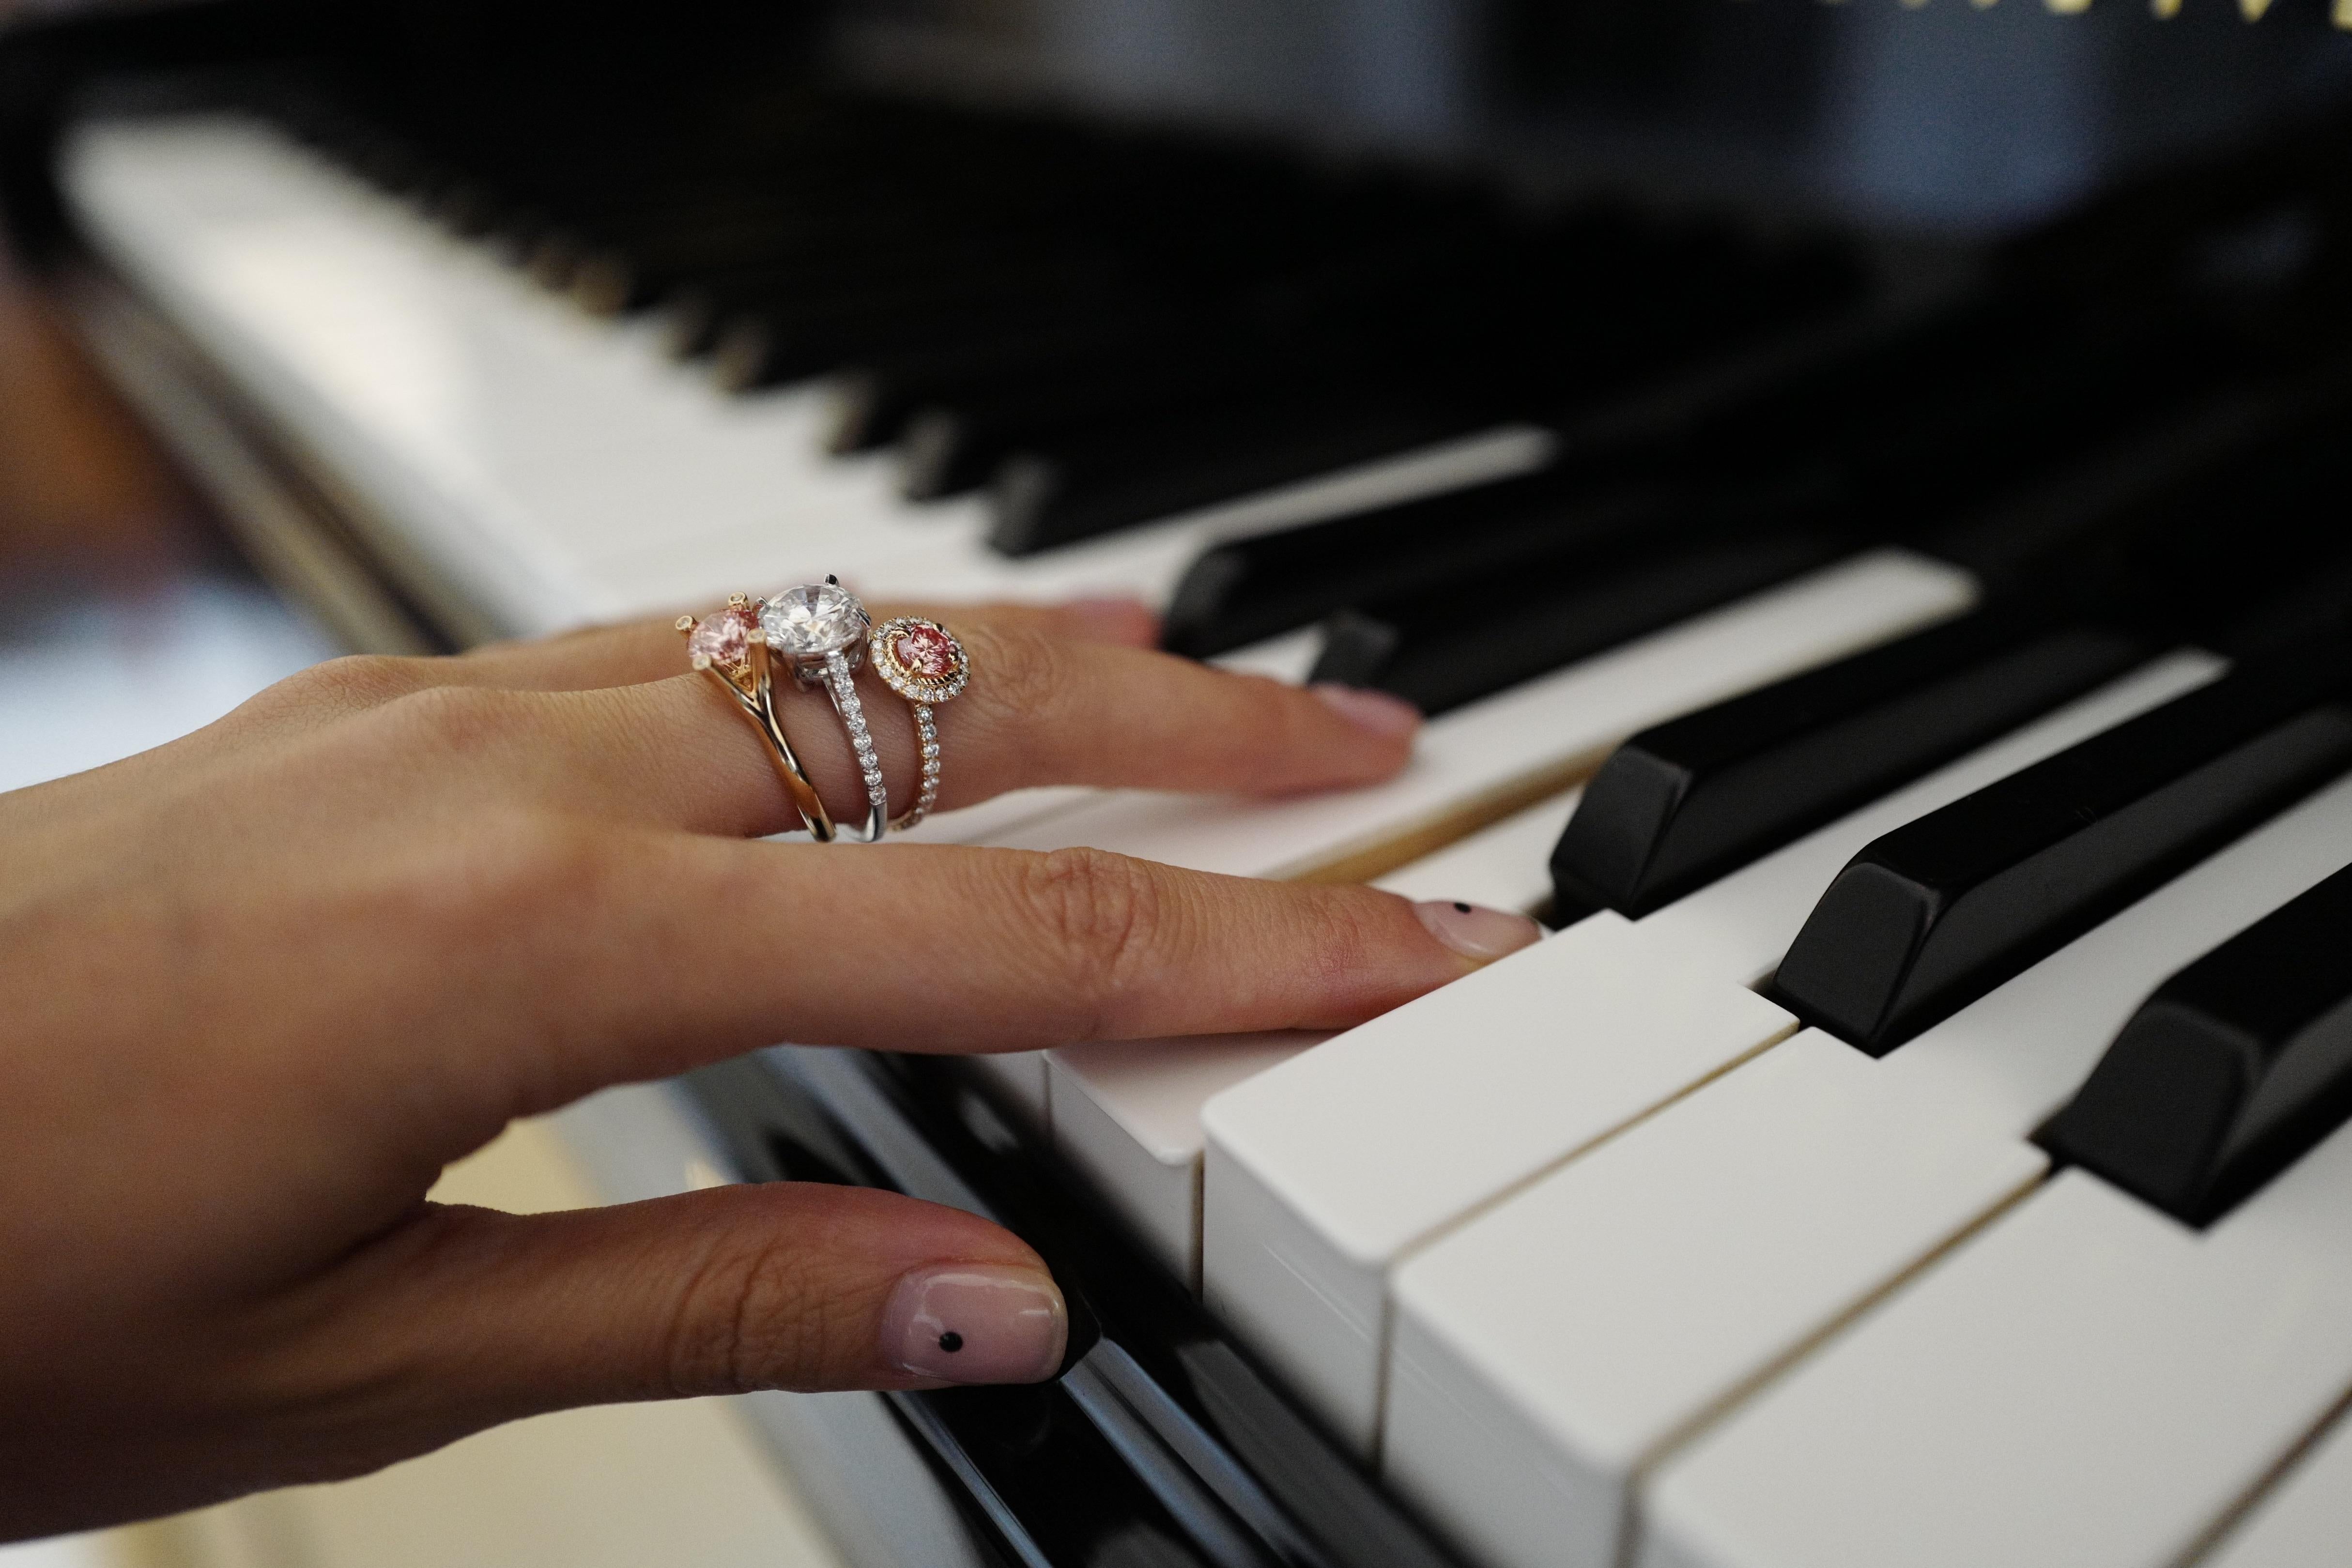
1367	709
1475	931
1114	620
976	1323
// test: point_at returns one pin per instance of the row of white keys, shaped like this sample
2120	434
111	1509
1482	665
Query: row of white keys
1551	730
1530	741
1323	1174
2306	1518
554	469
1551	1353
1128	1114
2088	1383
1555	727
1125	1114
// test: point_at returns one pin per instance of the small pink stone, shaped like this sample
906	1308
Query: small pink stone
926	651
724	638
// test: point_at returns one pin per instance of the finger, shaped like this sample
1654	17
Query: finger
1040	709
463	1318
651	650
596	656
675	951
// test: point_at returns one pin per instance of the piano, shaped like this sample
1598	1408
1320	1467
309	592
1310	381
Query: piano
1858	490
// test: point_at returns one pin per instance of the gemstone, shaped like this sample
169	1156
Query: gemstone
813	620
725	638
926	651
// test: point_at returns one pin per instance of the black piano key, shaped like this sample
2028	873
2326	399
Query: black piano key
876	399
2233	1068
1337	328
1936	913
1806	396
1693	799
1040	503
1455	642
1245	590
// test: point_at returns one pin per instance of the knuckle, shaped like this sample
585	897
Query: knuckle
744	1315
453	717
1102	912
355	681
1353	929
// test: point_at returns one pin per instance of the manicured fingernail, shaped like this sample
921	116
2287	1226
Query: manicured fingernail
976	1323
1367	709
1475	931
1114	620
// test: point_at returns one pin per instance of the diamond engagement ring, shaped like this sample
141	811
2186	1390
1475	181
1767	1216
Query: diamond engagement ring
821	636
818	632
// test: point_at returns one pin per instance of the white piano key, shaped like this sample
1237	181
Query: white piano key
1505	867
1304	1214
1018	1078
1325	1174
2305	1521
2086	1383
998	815
1128	1113
1543	1352
1550	730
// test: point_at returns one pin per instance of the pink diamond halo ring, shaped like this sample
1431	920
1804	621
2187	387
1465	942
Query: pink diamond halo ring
922	662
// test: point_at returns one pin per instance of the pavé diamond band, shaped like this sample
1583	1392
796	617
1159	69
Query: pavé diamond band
922	662
820	635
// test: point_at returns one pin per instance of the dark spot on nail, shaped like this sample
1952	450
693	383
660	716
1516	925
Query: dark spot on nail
951	1341
1463	907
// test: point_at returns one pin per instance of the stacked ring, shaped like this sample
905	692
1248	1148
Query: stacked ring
733	649
922	662
821	635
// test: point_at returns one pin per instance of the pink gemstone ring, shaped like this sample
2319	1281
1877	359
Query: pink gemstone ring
731	646
922	662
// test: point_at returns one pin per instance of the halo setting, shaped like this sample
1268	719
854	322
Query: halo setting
920	660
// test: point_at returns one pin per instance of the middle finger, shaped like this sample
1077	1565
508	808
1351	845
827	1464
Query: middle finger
1040	709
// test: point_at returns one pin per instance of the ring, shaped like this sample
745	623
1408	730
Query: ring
732	647
821	633
818	631
922	662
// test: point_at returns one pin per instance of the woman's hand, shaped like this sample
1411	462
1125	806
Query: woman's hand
257	987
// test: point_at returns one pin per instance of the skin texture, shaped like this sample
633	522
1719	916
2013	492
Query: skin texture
257	987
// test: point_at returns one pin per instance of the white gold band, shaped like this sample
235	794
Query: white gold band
841	685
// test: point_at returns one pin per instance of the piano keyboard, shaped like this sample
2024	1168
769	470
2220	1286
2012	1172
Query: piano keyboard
1898	697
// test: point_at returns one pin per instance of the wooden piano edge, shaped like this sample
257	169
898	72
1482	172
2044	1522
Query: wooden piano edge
1378	855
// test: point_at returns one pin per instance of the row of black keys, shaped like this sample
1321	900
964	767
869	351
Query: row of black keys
2231	1069
1110	327
1103	328
2023	431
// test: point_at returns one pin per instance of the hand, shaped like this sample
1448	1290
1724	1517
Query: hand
257	987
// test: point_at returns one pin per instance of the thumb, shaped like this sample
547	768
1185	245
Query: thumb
475	1317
